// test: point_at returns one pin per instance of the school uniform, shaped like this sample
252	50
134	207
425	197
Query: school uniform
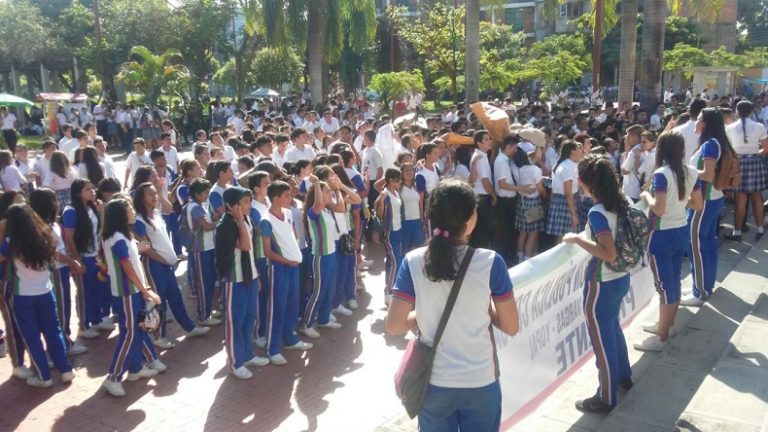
703	250
393	245
34	310
93	298
530	175
506	204
160	275
61	288
324	264
133	344
346	270
427	179
670	235
559	216
482	236
283	307
305	268
216	198
202	259
744	135
604	291
237	270
258	212
12	336
412	236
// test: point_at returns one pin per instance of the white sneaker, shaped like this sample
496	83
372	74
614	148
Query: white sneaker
67	377
332	317
277	360
3	350
300	345
653	328
261	341
330	325
216	314
352	304
114	388
105	324
210	322
163	343
77	348
343	311
257	361
157	365
242	373
198	331
37	382
145	372
88	333
691	301
310	333
22	372
651	343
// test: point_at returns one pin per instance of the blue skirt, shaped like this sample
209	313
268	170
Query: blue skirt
753	174
524	204
558	216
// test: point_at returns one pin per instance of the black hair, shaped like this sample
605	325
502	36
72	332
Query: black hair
138	202
254	179
744	108
216	168
277	188
156	154
478	137
323	172
392	174
670	149
566	148
83	237
92	165
6	200
198	186
521	159
426	149
450	206
714	128
247	161
696	106
338	169
60	164
31	239
43	201
599	175
116	219
142	175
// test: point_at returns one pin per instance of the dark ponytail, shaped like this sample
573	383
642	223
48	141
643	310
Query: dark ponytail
598	174
451	205
566	148
744	108
670	149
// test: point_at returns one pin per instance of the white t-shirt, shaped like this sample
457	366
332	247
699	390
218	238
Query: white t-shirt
358	143
735	132
238	124
157	235
117	249
466	355
329	128
296	154
60	247
530	175
11	178
109	165
372	161
9	122
281	232
53	181
385	137
461	171
567	170
631	185
599	222
68	146
30	282
483	172
135	161
675	212
427	179
393	204
688	131
410	198
98	113
171	157
503	171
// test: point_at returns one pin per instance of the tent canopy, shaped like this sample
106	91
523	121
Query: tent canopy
11	100
61	97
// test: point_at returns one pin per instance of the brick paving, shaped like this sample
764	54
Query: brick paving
343	384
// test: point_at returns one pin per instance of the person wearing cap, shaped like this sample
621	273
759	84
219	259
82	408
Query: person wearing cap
236	265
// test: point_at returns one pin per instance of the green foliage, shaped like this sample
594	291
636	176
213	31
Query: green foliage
151	73
395	85
684	56
25	35
272	67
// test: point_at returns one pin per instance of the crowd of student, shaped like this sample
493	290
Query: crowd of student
272	212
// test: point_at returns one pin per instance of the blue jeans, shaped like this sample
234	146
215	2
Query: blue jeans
466	409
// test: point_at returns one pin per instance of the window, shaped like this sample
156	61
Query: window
572	9
514	18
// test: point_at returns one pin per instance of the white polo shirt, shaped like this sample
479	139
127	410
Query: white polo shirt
157	235
502	171
483	172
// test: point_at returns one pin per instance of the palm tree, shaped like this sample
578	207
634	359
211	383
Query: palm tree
472	54
150	73
628	50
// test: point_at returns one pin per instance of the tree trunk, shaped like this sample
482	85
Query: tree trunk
655	12
597	44
316	25
628	50
472	53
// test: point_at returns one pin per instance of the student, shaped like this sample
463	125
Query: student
631	165
506	186
202	156
169	150
318	220
221	177
282	251
129	293
372	166
389	206
703	251
428	176
482	236
60	178
236	266
258	182
604	289
530	176
346	293
42	165
562	215
43	202
80	226
31	247
169	212
675	187
202	264
158	262
138	158
413	231
11	179
91	168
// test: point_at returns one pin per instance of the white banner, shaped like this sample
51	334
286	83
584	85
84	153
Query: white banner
553	341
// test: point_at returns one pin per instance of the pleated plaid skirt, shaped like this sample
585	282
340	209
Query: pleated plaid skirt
524	204
754	177
559	217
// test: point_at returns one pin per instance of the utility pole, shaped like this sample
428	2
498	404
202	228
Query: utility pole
597	44
97	29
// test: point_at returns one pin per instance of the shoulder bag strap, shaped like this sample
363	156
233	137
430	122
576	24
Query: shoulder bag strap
452	297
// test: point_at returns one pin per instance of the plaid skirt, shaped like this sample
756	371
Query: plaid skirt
62	196
524	204
753	174
582	209
558	216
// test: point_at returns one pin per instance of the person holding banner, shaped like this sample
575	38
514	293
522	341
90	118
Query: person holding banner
604	289
669	231
464	392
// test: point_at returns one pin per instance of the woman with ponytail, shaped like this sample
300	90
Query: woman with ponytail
463	389
674	188
563	216
744	135
604	289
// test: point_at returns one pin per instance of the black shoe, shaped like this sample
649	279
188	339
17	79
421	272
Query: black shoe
626	384
736	238
593	405
759	235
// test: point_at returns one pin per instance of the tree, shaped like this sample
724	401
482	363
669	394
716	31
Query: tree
654	14
272	66
396	85
24	35
684	56
628	50
472	53
753	20
556	61
150	73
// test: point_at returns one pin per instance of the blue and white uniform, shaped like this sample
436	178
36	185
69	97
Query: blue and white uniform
12	336
393	239
703	225
62	288
670	235
604	290
259	211
202	259
322	233
413	225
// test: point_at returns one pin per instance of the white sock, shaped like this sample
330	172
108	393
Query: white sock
736	232
527	258
760	229
520	257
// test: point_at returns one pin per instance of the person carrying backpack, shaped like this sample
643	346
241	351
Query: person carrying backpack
709	159
604	287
